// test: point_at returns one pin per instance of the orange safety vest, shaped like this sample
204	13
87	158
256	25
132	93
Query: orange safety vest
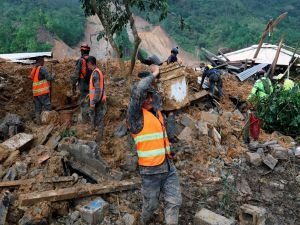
83	70
152	142
101	85
39	87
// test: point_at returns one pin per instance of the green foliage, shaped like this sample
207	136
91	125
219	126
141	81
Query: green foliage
229	23
22	20
68	133
281	111
125	46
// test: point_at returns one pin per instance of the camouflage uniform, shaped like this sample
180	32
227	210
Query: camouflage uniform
160	179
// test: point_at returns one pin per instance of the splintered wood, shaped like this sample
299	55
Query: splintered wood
78	192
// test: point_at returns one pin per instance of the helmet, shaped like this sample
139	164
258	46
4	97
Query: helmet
175	51
84	47
209	66
279	77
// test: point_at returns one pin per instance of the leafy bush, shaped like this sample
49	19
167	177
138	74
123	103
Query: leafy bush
281	111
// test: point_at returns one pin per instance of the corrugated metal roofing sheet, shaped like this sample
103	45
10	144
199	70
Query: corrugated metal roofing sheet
249	72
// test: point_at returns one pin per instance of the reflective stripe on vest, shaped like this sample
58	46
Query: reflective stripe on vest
39	87
101	85
152	142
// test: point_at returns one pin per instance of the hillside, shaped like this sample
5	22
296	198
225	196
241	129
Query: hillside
230	23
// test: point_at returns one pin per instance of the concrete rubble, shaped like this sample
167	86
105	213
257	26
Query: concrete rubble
57	174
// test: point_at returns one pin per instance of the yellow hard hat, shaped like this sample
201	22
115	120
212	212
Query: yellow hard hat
209	66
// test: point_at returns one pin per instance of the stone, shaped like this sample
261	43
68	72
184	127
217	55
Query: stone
297	152
270	161
74	216
49	117
207	217
210	118
298	179
202	128
188	121
227	115
253	145
10	125
279	152
94	212
186	135
238	115
254	158
267	143
250	214
21	168
260	151
129	219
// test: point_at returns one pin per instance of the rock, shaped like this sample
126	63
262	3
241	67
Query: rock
267	143
209	118
238	115
94	212
202	128
10	125
213	133
188	121
253	145
270	161
250	214
227	115
254	158
279	152
186	135
297	152
74	216
207	217
298	179
21	168
129	219
244	188
121	129
49	117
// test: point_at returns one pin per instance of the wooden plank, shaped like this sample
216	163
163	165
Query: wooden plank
273	67
44	134
16	183
4	204
78	192
17	141
225	57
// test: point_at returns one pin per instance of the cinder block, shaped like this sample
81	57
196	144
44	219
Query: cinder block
207	217
94	212
253	215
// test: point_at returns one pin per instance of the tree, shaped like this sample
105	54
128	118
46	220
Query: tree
116	14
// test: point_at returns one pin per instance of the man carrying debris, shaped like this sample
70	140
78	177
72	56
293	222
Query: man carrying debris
214	77
148	128
173	57
41	88
97	97
262	88
82	76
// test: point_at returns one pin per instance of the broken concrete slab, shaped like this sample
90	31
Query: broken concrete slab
17	141
270	161
94	212
210	118
207	217
250	214
78	191
202	128
186	135
254	158
188	121
4	205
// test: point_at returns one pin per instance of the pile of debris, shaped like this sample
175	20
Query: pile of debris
57	174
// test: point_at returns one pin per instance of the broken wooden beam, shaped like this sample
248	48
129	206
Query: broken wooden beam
17	141
45	132
273	66
4	204
78	192
224	56
16	183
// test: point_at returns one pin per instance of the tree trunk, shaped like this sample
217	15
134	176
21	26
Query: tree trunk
137	39
108	34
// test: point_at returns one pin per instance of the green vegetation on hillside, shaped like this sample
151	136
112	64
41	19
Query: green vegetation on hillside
229	23
24	24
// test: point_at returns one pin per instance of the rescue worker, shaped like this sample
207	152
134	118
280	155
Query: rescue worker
82	77
287	84
214	77
262	88
148	128
97	97
173	57
41	88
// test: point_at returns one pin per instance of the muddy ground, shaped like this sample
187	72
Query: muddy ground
213	175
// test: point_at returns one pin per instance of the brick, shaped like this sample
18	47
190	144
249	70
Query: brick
270	161
254	158
94	212
207	217
250	214
210	118
188	121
